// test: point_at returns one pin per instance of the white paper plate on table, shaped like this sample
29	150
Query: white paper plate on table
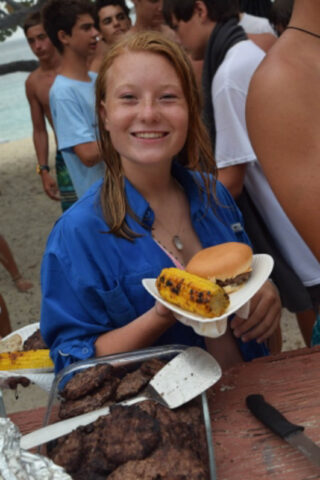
43	380
262	265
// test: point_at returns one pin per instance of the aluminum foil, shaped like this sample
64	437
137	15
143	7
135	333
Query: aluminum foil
18	464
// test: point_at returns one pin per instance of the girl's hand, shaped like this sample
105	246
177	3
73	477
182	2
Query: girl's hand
264	316
164	312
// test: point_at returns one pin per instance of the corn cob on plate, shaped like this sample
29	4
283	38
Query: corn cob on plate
30	360
35	365
262	265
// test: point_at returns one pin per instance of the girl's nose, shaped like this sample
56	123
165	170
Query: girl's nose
148	111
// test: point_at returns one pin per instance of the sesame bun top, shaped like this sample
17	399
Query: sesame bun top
221	262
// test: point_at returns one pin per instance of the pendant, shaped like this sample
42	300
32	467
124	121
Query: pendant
177	242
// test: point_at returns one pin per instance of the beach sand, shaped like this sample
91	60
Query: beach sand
27	216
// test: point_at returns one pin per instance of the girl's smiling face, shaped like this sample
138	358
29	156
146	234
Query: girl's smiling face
145	110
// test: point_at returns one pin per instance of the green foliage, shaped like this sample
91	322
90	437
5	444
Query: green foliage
6	33
7	9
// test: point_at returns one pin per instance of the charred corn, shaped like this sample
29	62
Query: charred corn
192	293
25	360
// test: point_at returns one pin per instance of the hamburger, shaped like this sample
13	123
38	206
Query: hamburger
227	264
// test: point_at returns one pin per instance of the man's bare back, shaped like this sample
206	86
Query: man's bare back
283	119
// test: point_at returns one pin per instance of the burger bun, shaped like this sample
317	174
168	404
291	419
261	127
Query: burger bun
222	264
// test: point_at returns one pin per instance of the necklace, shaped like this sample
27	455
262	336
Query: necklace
177	242
175	239
304	31
173	257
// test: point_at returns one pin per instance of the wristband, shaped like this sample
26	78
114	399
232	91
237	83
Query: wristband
40	168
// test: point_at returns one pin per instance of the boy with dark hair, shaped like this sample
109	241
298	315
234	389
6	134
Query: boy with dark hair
280	14
112	19
217	11
37	86
70	26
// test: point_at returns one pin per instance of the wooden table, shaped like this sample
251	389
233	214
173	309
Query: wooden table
244	448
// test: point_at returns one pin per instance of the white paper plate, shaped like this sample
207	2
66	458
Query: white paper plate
262	265
25	332
43	380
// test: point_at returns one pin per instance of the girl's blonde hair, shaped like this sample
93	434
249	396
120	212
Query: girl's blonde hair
196	154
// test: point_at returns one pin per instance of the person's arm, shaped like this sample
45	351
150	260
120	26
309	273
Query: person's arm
141	332
40	141
74	129
88	153
232	178
264	40
233	149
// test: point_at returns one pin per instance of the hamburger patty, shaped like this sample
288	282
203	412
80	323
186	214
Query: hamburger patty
130	442
238	280
35	342
86	381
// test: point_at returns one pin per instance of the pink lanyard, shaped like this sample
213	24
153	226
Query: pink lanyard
172	258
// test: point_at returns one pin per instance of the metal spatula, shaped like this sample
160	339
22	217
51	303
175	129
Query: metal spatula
183	378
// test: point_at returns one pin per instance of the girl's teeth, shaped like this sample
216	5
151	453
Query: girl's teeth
149	135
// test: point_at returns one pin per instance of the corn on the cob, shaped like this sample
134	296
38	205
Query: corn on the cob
25	360
192	293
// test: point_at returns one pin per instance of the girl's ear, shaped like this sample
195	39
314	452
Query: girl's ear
103	115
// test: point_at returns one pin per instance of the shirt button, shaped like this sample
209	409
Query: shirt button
85	350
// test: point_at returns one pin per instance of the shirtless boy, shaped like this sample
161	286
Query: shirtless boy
149	16
112	20
37	86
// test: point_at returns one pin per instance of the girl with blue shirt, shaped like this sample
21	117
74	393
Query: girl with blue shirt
157	206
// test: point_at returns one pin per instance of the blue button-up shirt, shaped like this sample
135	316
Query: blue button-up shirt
91	280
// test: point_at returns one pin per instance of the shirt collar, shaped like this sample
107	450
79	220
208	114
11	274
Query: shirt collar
186	178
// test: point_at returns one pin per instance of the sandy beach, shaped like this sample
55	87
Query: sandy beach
27	216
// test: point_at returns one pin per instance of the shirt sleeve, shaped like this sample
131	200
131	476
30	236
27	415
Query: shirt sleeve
233	146
71	124
73	310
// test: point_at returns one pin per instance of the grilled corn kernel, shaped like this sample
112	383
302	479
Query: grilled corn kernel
25	360
192	293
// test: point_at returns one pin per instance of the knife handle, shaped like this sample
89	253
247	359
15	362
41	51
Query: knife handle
271	417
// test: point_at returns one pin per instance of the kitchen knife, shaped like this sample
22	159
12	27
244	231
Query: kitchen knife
2	406
293	434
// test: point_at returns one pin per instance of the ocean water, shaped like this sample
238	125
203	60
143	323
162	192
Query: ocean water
15	121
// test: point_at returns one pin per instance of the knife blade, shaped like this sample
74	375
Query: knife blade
293	434
2	406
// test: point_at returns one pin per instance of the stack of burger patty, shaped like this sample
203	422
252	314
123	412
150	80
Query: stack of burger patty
146	441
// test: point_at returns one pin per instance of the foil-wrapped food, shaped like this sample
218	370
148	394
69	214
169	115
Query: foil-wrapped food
18	464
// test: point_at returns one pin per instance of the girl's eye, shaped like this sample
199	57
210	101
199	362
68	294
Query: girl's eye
127	96
168	96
